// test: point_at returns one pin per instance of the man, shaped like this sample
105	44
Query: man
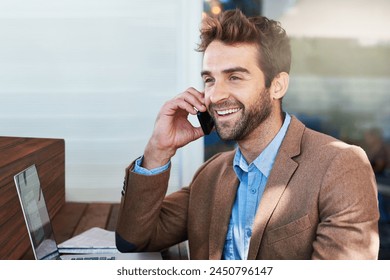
286	192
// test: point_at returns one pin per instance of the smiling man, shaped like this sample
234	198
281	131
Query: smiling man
286	192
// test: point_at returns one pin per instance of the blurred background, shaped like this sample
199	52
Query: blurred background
96	72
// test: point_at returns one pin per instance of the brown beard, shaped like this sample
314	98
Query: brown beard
251	118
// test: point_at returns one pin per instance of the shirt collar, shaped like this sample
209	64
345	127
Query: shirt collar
265	161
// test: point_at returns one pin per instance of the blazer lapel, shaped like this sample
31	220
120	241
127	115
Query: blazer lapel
224	196
272	193
282	171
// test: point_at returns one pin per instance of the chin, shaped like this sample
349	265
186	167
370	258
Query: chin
227	134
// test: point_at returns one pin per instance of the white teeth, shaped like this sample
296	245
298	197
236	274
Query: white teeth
228	111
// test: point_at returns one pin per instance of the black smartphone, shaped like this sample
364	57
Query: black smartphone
206	122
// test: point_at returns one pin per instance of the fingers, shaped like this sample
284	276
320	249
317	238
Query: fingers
172	128
191	101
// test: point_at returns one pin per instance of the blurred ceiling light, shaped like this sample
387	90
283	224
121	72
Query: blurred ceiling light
216	10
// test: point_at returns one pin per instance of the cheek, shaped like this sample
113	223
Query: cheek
248	95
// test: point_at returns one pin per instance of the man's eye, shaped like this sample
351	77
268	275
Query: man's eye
234	78
208	80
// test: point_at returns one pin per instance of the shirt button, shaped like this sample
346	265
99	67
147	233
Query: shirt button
248	233
253	191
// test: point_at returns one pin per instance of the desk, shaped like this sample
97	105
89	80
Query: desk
74	218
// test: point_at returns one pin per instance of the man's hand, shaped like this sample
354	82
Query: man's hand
172	129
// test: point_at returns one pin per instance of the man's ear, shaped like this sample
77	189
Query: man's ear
279	86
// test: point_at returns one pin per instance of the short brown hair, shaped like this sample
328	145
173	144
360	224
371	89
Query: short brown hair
233	27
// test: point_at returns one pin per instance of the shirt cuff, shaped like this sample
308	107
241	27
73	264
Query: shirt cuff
143	171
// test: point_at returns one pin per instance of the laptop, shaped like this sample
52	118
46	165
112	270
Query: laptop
40	229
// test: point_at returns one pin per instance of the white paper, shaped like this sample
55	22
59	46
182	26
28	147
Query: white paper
94	240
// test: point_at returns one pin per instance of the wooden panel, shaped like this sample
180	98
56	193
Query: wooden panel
16	154
67	220
111	225
96	215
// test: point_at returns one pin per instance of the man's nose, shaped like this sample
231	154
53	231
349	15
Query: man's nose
218	92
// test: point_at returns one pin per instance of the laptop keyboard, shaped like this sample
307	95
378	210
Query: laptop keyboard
94	258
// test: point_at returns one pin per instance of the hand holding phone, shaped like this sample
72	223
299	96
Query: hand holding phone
206	122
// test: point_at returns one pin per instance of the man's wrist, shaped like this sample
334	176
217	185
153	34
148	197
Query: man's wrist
138	168
154	158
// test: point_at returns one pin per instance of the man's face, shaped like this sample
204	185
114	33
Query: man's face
235	91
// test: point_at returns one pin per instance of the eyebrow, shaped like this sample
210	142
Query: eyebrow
227	71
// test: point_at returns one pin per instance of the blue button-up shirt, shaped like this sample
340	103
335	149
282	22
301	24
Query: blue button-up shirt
253	178
252	181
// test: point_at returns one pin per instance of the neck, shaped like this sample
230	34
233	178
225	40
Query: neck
255	143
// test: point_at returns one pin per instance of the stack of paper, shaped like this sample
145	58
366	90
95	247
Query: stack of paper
93	241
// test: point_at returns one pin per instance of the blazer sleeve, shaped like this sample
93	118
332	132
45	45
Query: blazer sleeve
147	221
348	209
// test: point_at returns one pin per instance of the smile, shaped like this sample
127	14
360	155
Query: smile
227	111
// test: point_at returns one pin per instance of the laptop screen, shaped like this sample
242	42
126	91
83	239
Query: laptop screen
36	214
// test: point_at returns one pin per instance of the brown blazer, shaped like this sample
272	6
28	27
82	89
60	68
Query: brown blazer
320	202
